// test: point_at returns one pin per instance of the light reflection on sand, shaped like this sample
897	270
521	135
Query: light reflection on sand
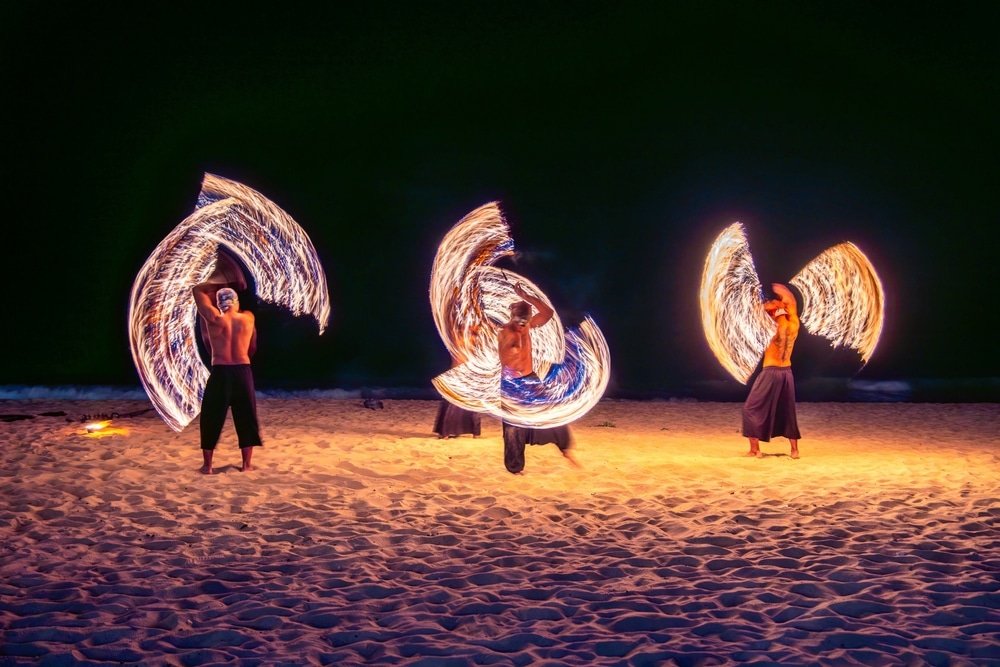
363	538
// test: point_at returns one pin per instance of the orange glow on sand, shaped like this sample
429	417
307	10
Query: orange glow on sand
361	532
103	429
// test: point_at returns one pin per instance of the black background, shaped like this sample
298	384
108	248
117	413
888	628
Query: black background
619	139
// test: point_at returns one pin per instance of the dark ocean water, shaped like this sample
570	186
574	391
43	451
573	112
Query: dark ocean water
926	390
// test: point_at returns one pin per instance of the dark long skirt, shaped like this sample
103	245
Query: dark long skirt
769	410
229	386
516	437
452	421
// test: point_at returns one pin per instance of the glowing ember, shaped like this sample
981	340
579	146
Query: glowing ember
162	313
841	293
103	429
470	300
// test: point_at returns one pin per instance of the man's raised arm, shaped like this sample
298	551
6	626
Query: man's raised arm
786	296
226	273
544	313
204	298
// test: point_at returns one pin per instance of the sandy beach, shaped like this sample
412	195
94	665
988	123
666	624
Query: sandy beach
363	539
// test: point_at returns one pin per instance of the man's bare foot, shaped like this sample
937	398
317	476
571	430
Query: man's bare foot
569	457
794	454
247	454
206	462
755	452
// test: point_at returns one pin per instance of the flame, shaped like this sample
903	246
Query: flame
93	427
841	293
843	299
470	300
162	313
736	327
103	429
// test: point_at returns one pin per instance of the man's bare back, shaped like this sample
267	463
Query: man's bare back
779	350
786	318
515	350
231	335
231	331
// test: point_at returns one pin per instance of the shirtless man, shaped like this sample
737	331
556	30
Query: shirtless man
233	339
516	359
769	410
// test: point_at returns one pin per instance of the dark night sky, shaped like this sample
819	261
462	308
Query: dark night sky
620	142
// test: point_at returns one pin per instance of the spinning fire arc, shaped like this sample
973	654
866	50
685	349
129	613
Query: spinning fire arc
470	300
162	316
842	300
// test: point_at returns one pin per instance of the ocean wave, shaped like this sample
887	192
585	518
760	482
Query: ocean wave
816	389
309	393
880	390
111	392
71	392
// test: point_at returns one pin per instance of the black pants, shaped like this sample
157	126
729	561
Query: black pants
229	386
769	410
516	437
452	421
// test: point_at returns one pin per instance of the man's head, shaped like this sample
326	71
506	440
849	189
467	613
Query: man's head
780	301
226	298
520	313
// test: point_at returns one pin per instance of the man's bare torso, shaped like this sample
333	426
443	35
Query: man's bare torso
515	350
230	336
779	350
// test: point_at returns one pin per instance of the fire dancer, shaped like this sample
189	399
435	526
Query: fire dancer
769	410
233	339
516	359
